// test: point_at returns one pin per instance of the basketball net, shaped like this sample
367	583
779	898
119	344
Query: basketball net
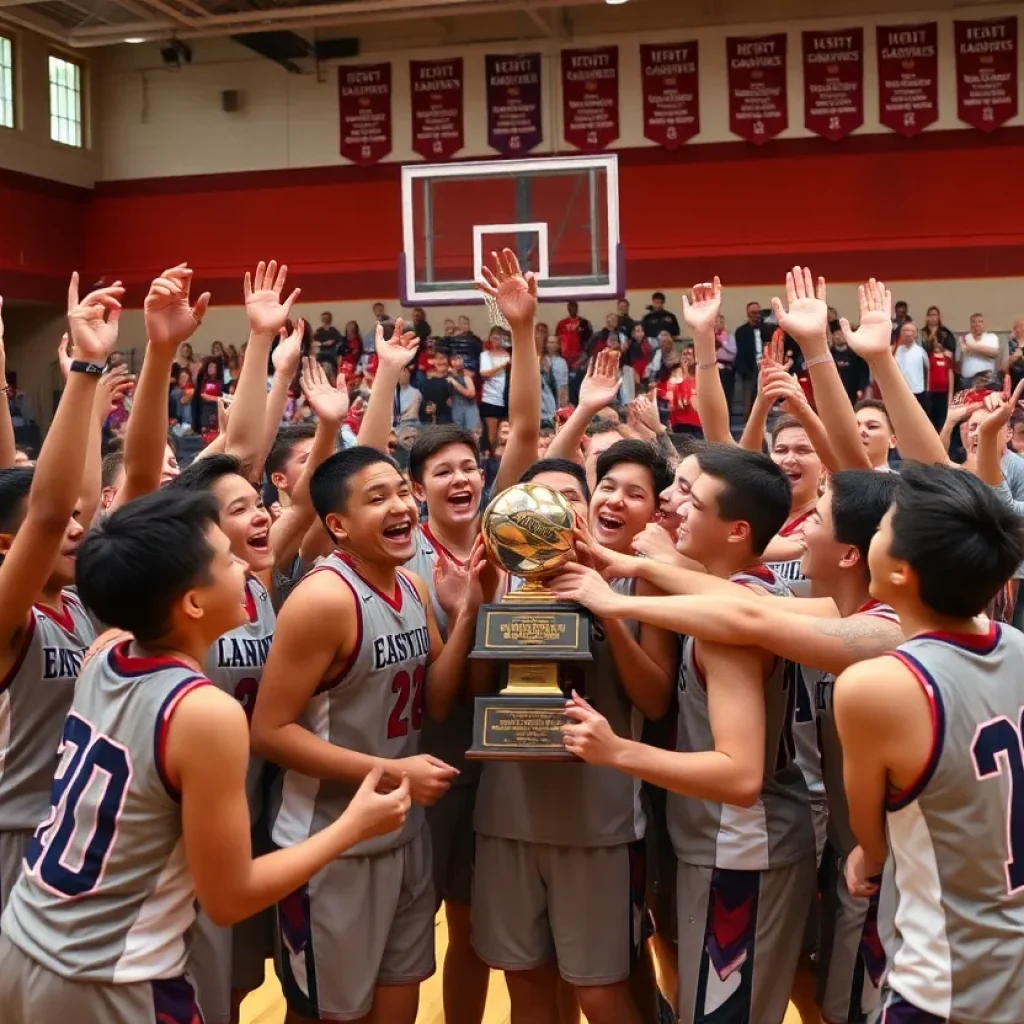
494	314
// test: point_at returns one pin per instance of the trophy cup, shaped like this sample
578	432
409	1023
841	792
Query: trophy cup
528	532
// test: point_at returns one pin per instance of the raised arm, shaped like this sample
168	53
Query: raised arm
393	356
116	384
285	359
992	435
599	388
701	314
8	449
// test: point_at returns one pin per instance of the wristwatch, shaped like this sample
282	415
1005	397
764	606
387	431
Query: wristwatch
81	366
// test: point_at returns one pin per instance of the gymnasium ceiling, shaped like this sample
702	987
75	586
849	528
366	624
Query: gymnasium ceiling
287	31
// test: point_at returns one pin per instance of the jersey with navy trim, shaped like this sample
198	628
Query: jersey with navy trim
449	740
956	838
235	665
840	834
571	803
374	706
106	894
34	698
777	830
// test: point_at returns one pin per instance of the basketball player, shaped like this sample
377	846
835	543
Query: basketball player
44	629
357	659
550	836
738	806
876	433
931	741
149	806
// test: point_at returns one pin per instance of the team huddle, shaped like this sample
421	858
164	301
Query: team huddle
225	738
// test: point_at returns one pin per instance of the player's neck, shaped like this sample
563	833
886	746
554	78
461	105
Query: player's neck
724	566
456	538
52	597
191	649
382	576
850	591
916	618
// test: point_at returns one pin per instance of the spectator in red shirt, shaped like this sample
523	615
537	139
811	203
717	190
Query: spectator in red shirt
682	392
573	331
940	382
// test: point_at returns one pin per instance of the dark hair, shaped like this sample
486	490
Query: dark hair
112	463
756	491
284	444
957	535
686	444
135	564
567	466
786	423
640	453
875	403
658	295
432	440
901	302
860	498
15	483
329	488
601	426
203	473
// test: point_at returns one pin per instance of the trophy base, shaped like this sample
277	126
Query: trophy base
519	728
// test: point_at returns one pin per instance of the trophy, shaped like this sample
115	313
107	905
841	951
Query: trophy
528	532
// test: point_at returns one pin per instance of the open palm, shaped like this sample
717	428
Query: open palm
873	338
170	320
93	332
700	310
396	351
807	316
601	385
263	305
514	291
289	350
329	402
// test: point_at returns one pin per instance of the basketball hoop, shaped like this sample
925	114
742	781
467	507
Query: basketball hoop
494	314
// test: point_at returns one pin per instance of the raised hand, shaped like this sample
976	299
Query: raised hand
998	410
451	580
263	305
285	357
601	385
700	311
647	413
514	291
873	338
116	383
587	587
170	320
808	309
588	734
64	359
92	321
223	413
376	814
329	402
397	351
778	385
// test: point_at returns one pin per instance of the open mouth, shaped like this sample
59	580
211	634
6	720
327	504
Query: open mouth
792	475
259	542
399	533
461	501
610	523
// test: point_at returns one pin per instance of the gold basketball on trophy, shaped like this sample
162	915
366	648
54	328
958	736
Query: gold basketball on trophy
528	531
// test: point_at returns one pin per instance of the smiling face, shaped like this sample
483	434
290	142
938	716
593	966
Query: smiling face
288	477
794	454
673	501
376	524
824	557
703	533
624	502
876	435
245	521
452	485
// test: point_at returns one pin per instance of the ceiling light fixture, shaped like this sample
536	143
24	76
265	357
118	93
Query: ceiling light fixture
135	39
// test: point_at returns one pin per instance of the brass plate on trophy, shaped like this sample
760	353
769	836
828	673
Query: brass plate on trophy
507	630
519	728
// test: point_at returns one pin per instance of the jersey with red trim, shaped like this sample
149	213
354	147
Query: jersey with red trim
777	830
106	894
956	838
235	665
34	698
373	706
840	834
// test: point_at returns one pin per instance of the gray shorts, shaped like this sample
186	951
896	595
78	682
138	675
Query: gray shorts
12	856
739	940
534	903
30	994
452	842
851	960
358	923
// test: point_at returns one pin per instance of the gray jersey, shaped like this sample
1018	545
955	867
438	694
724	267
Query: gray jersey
34	698
373	706
571	803
449	740
777	830
957	836
106	894
235	664
840	835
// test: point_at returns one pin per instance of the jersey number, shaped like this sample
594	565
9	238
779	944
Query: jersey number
245	694
86	760
997	747
406	688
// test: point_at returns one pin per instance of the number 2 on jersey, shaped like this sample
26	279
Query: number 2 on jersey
408	692
997	746
56	855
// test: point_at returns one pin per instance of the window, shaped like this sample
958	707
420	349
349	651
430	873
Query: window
65	102
6	83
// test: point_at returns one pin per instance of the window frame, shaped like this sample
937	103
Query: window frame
52	113
12	39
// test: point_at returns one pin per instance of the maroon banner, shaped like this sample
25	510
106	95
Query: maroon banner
364	105
671	92
908	76
437	119
590	97
986	71
514	124
834	82
758	101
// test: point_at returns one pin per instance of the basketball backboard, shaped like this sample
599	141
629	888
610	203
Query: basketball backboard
560	215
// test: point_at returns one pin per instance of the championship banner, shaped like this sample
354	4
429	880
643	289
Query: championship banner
437	119
908	76
833	82
590	97
364	106
514	125
671	92
986	71
758	102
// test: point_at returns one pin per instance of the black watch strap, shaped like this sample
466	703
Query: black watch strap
81	366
